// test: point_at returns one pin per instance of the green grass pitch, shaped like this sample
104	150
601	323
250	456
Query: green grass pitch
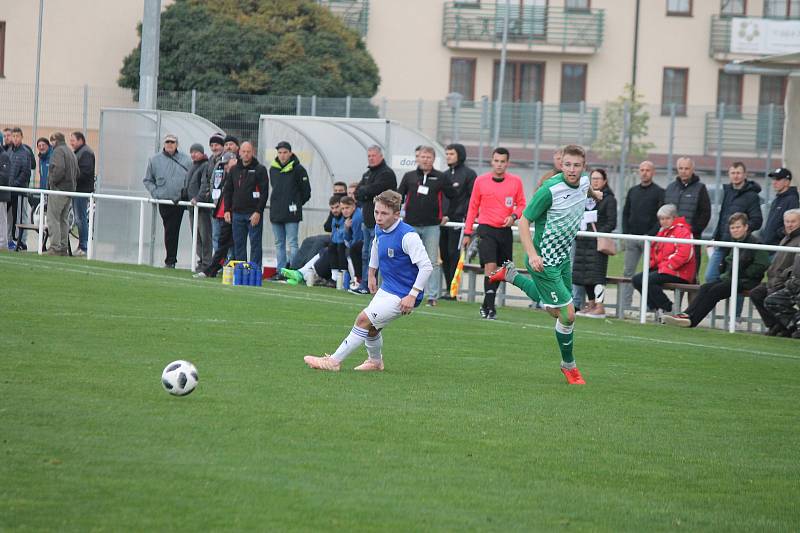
471	427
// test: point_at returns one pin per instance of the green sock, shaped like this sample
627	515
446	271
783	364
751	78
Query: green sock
528	286
564	336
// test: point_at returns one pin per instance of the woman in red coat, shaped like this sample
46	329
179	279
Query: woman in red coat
669	262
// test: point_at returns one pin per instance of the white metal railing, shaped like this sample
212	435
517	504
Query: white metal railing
646	260
95	196
617	236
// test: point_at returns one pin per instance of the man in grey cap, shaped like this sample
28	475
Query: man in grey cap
164	180
198	190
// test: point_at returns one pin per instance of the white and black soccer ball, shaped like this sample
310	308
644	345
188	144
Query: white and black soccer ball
179	378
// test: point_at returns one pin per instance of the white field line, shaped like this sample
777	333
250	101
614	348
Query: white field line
349	300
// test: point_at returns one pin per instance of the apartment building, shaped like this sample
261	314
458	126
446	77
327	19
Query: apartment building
573	56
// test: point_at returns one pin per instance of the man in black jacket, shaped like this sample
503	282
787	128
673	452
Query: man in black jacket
80	206
246	192
739	196
379	177
423	192
462	178
786	198
691	198
22	162
639	218
291	189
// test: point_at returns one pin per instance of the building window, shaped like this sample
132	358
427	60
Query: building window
462	77
2	49
674	90
577	5
733	8
772	90
573	85
524	82
782	9
681	8
729	92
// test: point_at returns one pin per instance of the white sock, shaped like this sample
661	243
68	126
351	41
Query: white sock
599	293
355	339
375	347
308	272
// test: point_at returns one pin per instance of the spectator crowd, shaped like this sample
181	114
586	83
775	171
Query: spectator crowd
240	187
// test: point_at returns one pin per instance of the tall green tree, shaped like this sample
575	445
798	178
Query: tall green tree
280	47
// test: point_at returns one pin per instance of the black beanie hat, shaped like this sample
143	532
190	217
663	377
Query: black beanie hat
217	138
231	138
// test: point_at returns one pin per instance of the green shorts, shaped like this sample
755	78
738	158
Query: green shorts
554	284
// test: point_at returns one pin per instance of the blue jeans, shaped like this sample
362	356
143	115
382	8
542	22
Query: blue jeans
242	229
283	232
430	239
80	208
712	272
369	236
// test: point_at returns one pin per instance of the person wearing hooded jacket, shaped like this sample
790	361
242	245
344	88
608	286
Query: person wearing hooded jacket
462	179
589	265
291	189
740	196
670	262
690	196
198	190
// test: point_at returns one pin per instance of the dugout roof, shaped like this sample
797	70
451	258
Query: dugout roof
335	149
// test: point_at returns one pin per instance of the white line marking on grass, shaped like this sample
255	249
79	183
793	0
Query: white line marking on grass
348	300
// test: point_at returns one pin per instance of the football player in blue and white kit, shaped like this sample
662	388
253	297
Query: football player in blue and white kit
400	256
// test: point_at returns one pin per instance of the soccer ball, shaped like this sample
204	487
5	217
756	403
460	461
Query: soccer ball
179	378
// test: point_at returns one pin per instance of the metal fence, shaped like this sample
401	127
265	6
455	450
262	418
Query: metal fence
714	136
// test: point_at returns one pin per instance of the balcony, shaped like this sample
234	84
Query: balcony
479	26
752	132
751	37
354	13
521	123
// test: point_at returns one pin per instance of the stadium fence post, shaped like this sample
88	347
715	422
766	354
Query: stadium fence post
41	222
194	238
90	234
734	292
645	281
140	259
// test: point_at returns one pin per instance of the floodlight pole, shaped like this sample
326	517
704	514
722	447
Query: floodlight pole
38	70
148	66
498	105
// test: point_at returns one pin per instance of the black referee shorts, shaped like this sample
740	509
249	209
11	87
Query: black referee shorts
496	245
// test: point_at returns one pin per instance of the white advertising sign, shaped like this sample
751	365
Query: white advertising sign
764	36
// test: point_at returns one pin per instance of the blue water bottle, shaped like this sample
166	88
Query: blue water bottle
238	274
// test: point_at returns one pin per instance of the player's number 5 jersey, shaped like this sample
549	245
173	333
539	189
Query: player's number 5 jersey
556	211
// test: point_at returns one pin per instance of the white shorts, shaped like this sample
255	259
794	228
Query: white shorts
383	308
